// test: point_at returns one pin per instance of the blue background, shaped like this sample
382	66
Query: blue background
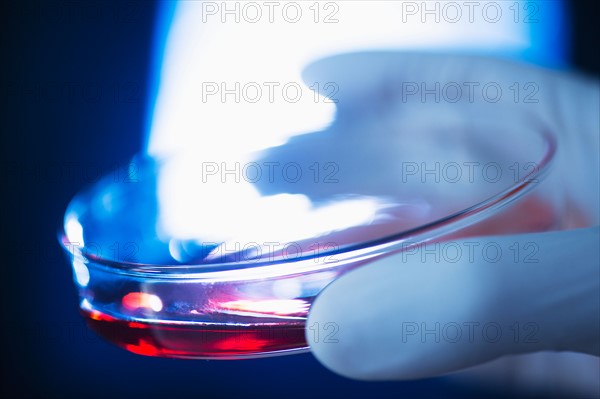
75	93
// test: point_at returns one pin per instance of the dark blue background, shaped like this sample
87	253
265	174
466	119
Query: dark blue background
74	100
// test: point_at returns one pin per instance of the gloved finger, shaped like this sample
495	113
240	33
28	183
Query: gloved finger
427	312
410	92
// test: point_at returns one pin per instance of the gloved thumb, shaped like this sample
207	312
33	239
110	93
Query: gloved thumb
450	305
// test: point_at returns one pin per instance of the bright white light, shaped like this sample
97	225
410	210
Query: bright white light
285	289
293	218
268	306
155	303
85	304
213	70
202	50
82	274
74	230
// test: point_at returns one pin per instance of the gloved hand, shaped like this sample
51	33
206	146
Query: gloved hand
412	315
402	318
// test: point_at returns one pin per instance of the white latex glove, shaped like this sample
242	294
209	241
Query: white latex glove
400	318
382	310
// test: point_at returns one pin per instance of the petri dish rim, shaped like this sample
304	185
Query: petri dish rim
251	270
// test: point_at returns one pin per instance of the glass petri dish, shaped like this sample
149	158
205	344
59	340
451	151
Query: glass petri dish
159	291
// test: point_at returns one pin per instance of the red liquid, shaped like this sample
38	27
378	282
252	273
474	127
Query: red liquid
197	341
229	341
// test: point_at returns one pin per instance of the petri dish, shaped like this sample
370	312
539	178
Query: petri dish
240	282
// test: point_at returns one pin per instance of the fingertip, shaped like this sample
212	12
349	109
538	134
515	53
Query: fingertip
329	335
352	331
374	323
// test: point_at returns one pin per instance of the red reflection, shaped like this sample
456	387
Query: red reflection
137	300
197	340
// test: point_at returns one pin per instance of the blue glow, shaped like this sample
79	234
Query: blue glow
164	18
550	37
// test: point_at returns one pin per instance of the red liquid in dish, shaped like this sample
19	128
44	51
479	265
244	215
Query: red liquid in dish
197	340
